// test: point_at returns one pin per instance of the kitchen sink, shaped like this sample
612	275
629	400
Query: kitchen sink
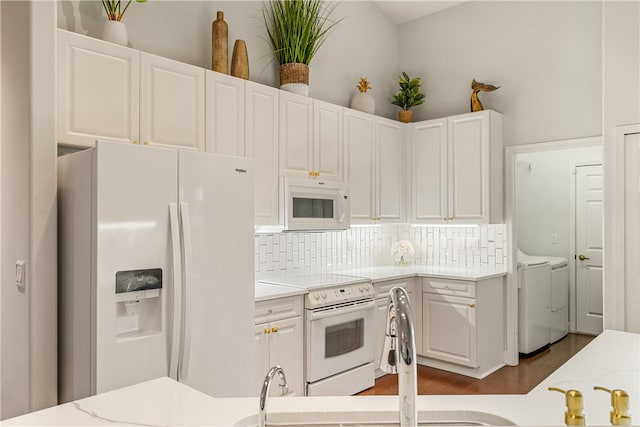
375	419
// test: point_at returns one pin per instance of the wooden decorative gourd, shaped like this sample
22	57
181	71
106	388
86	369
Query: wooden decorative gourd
219	44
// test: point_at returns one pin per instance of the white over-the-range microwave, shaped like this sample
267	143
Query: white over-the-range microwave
314	204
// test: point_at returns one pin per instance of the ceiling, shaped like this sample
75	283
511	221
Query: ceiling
400	12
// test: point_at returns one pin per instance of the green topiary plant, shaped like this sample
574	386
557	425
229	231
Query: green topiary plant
409	95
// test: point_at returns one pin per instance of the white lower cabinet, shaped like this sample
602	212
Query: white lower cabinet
382	302
279	341
463	325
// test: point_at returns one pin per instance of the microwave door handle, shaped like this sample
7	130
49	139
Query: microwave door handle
342	210
333	312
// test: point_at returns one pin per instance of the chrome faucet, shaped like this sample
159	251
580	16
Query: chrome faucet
266	385
399	354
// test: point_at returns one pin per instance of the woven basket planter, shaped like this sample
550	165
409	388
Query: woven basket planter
295	78
405	116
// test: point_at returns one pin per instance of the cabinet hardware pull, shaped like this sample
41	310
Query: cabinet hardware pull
135	141
274	329
266	330
472	305
270	311
146	143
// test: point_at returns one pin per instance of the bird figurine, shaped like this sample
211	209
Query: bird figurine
476	105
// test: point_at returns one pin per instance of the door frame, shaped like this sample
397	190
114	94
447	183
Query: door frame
573	293
616	295
511	315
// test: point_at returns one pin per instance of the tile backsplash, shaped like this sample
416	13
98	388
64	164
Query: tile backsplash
474	246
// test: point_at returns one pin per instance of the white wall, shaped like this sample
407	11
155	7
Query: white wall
543	200
546	55
363	44
621	102
28	373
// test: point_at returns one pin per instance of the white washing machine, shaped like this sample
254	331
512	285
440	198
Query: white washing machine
534	303
559	297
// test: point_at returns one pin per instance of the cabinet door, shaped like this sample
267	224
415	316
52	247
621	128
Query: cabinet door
429	171
225	126
171	103
449	329
390	170
98	91
359	138
286	351
381	326
261	338
296	134
328	148
261	144
468	165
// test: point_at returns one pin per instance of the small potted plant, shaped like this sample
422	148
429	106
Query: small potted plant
296	29
408	97
114	31
362	101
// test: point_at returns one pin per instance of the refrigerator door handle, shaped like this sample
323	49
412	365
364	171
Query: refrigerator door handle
183	368
176	261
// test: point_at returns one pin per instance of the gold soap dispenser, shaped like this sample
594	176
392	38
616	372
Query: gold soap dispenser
573	416
619	415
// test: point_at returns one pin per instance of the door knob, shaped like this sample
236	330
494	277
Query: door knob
582	257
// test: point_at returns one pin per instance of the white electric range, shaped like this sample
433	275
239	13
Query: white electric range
339	331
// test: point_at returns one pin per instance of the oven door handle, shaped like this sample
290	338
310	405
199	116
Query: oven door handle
317	315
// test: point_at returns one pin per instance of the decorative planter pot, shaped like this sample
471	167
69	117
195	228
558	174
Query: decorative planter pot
362	101
295	78
115	32
405	116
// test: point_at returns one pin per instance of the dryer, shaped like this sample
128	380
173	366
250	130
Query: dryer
559	297
534	304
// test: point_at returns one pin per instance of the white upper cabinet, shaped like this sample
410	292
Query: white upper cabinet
296	134
328	149
261	144
359	137
457	169
171	103
98	91
390	183
225	123
310	138
376	148
106	91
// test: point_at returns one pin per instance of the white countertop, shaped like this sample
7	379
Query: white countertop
611	360
304	279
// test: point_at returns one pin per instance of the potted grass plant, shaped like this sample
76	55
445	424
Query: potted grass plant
408	97
114	30
296	30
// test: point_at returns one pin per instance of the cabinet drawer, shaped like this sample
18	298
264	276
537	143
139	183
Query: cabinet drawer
460	288
383	288
279	308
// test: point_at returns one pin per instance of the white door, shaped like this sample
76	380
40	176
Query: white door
261	145
589	186
216	199
389	171
98	91
632	232
171	103
296	134
359	137
285	349
225	114
429	171
327	145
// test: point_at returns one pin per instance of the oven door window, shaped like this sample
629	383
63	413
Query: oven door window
306	207
343	338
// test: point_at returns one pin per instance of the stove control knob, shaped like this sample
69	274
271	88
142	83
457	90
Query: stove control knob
316	297
324	295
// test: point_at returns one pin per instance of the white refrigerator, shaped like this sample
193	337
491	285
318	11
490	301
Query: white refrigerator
156	271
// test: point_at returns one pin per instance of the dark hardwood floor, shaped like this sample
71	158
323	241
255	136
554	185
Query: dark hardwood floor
507	380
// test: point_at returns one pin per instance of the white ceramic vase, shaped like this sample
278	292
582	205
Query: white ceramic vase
115	32
362	101
299	88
